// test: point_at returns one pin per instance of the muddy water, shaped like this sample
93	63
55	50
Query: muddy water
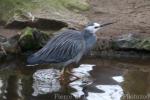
112	79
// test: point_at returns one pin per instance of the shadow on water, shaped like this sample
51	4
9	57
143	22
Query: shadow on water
123	79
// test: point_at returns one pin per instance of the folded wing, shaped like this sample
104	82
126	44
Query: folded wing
59	49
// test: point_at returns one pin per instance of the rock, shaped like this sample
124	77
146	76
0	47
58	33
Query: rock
102	44
125	42
40	23
30	11
123	46
2	55
132	42
11	45
46	81
32	39
2	39
144	44
2	52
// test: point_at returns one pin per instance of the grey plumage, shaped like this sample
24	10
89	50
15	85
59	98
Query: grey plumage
68	47
64	48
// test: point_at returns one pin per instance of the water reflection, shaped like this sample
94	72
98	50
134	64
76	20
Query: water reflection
2	90
111	92
107	80
85	79
14	88
46	81
118	78
136	85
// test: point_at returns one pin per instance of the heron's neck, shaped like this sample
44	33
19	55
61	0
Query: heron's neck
90	39
87	34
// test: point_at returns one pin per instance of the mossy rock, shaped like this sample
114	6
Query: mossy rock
143	44
11	45
124	42
32	39
132	42
62	10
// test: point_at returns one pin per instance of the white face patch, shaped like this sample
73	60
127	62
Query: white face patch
93	28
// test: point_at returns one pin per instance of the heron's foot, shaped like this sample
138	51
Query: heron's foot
61	78
75	77
72	74
65	76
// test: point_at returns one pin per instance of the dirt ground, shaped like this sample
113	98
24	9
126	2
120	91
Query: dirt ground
8	32
131	16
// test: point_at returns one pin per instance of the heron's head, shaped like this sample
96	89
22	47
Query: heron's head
94	27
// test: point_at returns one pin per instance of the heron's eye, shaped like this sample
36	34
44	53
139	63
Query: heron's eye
96	27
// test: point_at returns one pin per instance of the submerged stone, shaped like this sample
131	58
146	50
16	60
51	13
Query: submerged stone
46	81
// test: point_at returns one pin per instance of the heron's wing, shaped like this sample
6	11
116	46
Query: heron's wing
60	49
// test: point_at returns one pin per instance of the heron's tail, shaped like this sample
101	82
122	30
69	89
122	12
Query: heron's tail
33	60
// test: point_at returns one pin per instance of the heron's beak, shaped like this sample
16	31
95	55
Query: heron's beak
105	24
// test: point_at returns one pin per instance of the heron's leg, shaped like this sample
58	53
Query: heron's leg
66	72
66	69
63	70
63	73
72	74
69	68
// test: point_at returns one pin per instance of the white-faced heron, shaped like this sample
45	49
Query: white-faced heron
68	47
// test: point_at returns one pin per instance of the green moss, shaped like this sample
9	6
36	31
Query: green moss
26	39
32	39
143	43
63	4
27	32
76	4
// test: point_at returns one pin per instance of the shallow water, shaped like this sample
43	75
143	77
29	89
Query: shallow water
112	79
